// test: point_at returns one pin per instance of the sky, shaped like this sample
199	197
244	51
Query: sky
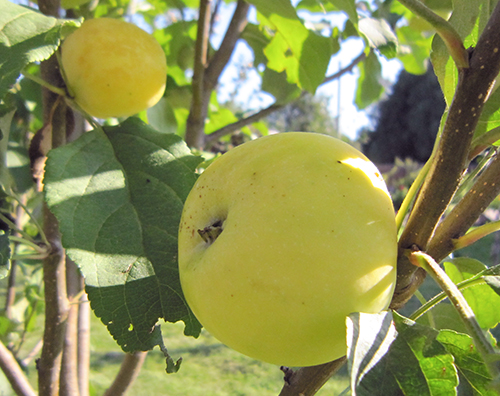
351	119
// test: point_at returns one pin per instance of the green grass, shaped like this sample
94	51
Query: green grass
208	368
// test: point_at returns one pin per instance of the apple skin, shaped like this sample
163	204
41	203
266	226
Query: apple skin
113	68
308	237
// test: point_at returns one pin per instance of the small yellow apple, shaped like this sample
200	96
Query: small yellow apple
280	239
113	68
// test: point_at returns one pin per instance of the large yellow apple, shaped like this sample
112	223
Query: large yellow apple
113	68
280	239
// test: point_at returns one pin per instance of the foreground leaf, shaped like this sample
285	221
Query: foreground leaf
468	361
118	195
482	299
415	365
369	337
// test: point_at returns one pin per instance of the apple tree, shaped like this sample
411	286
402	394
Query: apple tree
90	208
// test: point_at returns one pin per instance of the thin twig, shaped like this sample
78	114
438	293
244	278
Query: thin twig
230	128
198	111
223	54
15	375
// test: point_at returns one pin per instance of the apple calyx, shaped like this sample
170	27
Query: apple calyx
209	234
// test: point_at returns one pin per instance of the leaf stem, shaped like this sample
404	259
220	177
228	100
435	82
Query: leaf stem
43	83
411	194
484	347
36	247
428	305
444	29
476	234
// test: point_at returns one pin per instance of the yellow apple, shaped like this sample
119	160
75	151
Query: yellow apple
113	68
280	239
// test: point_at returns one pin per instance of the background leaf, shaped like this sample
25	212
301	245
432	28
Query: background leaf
302	53
4	254
465	20
380	36
25	36
118	196
461	268
369	88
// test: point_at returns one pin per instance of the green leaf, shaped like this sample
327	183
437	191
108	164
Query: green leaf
349	7
482	299
256	39
415	365
369	88
380	36
415	49
369	337
118	195
465	21
490	117
277	85
25	36
4	254
302	53
468	361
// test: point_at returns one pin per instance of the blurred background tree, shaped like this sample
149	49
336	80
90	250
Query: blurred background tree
406	123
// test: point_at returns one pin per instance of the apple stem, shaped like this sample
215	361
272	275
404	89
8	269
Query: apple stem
211	233
45	84
484	347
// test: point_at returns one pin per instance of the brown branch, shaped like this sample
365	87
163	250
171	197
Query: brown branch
306	381
230	128
129	371
223	54
485	189
84	344
69	366
226	130
349	68
198	111
54	266
10	295
445	173
14	374
56	311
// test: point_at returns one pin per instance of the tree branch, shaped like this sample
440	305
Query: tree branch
54	266
226	130
306	381
223	54
230	128
84	344
198	112
129	370
445	172
485	189
14	374
69	367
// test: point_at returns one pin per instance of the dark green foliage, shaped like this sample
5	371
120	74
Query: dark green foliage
408	120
